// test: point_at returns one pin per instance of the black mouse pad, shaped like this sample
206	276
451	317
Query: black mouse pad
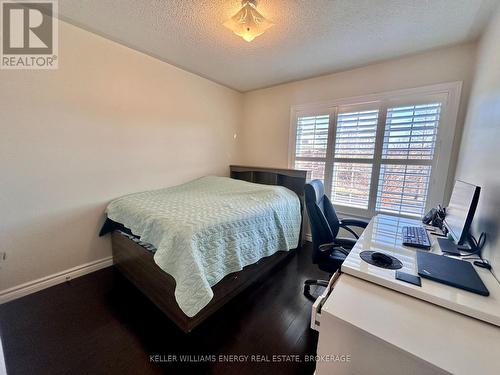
367	257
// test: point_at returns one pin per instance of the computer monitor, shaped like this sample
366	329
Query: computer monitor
460	211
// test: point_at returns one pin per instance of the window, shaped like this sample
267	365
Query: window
354	152
311	144
410	140
379	153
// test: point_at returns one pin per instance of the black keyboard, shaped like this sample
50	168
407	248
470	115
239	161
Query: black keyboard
416	237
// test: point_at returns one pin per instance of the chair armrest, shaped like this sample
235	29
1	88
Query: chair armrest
345	242
347	223
332	246
353	223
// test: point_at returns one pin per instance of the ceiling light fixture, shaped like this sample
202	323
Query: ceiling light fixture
248	22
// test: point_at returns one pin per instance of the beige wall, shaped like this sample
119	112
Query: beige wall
267	111
479	160
110	121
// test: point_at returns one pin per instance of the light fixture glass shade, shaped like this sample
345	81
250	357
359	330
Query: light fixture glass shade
248	22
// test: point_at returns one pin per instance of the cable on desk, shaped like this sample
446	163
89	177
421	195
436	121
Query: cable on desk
478	246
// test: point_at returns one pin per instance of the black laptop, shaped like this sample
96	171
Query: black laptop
450	271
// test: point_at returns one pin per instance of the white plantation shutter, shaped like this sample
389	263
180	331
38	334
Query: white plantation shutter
402	189
378	153
351	184
311	144
410	139
316	168
411	132
354	150
356	132
312	136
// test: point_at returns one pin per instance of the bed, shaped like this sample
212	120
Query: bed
192	248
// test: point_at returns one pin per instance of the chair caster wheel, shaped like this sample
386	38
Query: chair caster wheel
307	293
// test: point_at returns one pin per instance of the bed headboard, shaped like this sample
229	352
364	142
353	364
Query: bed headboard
292	179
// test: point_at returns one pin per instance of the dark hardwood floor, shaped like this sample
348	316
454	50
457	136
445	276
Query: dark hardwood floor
101	324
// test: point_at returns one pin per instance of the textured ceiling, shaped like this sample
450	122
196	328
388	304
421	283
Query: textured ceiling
310	37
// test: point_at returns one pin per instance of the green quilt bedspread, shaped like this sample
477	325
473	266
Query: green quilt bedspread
208	228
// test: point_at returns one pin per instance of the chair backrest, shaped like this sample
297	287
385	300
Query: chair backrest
322	216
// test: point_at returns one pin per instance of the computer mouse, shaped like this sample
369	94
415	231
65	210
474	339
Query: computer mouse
382	259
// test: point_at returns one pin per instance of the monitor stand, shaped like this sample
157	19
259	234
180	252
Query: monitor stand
450	247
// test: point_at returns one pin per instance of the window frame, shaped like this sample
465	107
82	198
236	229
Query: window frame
448	94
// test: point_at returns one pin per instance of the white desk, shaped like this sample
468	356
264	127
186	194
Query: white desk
384	234
385	331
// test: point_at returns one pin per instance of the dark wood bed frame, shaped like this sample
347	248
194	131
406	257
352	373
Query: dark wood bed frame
138	266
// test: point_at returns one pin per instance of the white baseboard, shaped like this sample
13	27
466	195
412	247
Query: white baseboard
22	290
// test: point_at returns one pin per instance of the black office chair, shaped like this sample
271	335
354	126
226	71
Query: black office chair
329	251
